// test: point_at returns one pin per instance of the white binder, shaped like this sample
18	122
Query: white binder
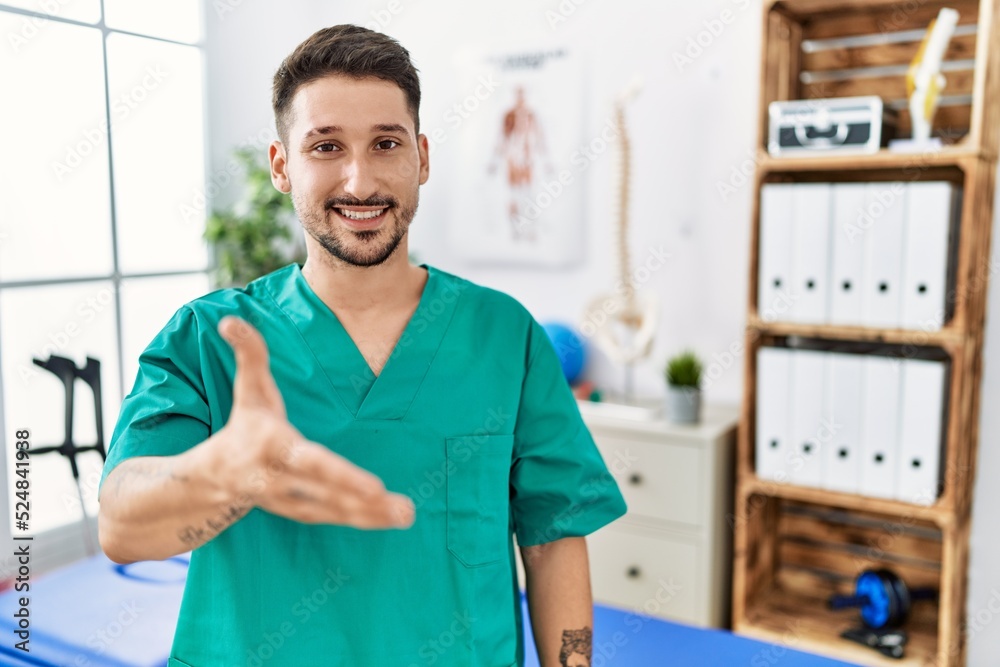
810	253
848	258
774	374
880	427
810	433
923	404
842	456
775	268
883	237
928	224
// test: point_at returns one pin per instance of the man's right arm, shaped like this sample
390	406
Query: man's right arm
154	507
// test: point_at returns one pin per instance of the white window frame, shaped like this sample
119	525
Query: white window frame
66	544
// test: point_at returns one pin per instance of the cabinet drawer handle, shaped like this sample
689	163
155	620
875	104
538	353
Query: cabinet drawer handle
635	479
633	572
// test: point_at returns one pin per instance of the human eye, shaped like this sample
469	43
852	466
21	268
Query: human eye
386	144
326	147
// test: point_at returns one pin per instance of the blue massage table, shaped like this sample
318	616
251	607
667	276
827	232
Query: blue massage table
96	613
100	614
625	639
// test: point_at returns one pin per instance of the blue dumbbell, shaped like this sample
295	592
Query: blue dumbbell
882	597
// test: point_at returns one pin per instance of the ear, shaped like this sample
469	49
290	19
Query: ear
424	151
279	167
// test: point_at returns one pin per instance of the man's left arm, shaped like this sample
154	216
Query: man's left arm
559	601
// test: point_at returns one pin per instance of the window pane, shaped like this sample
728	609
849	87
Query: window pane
88	11
170	19
71	321
159	154
56	221
147	304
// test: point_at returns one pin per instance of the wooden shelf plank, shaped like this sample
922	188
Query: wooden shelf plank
949	156
961	47
940	514
948	338
840	18
889	87
805	624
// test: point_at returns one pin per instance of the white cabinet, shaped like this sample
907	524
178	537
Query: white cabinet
670	555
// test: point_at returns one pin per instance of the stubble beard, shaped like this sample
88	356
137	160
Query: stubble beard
363	248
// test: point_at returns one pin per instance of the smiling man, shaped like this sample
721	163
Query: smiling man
349	446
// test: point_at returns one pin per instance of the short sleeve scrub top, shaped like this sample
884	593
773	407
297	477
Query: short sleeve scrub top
471	417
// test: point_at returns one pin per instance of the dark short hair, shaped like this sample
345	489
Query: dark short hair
347	50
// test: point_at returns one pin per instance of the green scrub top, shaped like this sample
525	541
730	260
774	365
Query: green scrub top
471	417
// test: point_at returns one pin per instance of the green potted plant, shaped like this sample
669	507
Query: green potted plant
255	235
683	375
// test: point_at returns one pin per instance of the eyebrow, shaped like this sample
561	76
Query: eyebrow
334	129
391	127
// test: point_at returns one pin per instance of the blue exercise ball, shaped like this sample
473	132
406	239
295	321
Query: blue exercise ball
569	347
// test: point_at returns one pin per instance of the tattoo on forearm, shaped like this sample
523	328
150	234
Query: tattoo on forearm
576	648
195	536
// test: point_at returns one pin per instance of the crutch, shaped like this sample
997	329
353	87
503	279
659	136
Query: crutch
67	371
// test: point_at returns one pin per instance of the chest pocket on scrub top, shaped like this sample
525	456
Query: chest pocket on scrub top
479	497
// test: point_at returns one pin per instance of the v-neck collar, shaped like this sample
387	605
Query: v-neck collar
361	393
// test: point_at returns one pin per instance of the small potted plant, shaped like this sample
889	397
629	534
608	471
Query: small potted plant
258	234
683	374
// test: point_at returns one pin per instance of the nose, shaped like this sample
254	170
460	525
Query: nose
359	177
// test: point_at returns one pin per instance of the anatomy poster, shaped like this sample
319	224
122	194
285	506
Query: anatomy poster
518	196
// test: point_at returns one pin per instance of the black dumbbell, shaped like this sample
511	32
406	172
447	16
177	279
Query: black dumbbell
883	598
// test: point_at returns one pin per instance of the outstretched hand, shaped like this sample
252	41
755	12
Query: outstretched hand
280	470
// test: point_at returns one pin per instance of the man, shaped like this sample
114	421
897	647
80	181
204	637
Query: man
447	393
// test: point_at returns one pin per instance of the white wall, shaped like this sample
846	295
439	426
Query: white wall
691	127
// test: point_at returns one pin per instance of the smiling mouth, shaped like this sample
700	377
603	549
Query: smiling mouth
361	215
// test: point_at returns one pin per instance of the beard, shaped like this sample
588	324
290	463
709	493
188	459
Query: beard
363	248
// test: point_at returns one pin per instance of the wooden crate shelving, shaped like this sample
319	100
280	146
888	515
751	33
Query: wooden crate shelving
807	551
793	546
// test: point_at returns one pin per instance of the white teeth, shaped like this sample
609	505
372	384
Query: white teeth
360	215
